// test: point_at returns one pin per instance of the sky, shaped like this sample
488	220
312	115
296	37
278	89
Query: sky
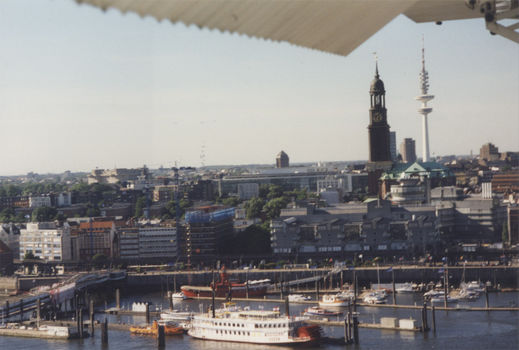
81	88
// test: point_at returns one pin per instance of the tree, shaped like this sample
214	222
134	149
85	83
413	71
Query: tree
29	256
273	207
231	201
139	206
43	214
253	207
275	191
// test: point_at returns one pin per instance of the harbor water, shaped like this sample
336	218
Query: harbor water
454	329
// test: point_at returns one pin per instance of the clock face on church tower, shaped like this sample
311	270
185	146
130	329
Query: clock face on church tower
377	116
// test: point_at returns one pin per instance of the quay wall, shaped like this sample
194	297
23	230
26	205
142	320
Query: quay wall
505	277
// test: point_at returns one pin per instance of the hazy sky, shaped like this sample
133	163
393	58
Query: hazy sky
81	88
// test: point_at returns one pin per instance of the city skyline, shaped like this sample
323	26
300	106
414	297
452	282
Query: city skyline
118	90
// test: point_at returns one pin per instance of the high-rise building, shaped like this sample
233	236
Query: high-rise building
392	145
489	152
378	129
282	160
424	110
408	150
46	241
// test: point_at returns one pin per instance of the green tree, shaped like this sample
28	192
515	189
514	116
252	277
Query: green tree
29	256
7	215
231	201
43	214
273	207
140	204
253	207
275	191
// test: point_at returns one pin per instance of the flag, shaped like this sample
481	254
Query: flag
390	269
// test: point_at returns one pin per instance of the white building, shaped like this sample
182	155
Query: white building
39	201
46	241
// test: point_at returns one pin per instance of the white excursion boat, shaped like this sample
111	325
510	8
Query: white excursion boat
253	326
331	300
176	316
295	298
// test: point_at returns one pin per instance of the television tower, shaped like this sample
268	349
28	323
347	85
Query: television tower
424	110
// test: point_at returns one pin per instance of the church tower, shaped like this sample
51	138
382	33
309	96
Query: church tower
379	150
378	129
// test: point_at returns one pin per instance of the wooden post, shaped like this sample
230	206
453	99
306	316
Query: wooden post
104	332
21	310
38	312
433	309
445	288
170	300
424	317
147	313
91	316
342	278
486	297
354	291
287	306
6	310
118	299
174	283
161	339
355	328
394	290
247	284
317	290
80	319
346	330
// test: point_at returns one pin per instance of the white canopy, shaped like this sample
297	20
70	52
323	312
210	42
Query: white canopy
334	26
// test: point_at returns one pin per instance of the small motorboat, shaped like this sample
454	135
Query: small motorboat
180	296
405	288
176	315
374	298
297	298
331	300
317	311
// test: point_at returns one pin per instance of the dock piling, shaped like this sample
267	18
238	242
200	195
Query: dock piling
355	328
147	313
433	311
394	291
486	297
161	339
117	298
425	326
287	306
170	297
80	322
6	310
38	312
91	315
21	310
104	332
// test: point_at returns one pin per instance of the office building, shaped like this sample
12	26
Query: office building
408	150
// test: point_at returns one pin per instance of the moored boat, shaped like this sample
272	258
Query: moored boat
317	311
296	298
154	328
253	326
331	300
228	288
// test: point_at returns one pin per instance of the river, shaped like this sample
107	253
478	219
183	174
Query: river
458	330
